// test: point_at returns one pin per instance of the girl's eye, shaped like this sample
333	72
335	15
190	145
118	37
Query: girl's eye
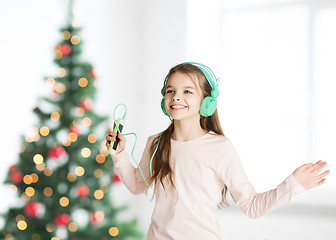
169	91
187	91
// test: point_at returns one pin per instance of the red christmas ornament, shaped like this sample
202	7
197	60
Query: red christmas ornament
97	217
16	177
33	209
56	152
65	49
116	178
83	191
62	219
92	73
86	104
74	129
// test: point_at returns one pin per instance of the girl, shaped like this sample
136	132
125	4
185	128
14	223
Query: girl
194	166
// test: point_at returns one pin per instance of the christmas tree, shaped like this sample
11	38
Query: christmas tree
64	173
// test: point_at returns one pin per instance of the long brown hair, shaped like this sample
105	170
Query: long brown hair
161	161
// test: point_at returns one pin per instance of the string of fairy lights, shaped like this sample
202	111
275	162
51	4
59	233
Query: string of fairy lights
33	208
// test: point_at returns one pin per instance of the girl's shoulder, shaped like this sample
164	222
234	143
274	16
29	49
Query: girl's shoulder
218	137
219	141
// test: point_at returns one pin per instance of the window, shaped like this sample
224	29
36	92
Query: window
278	84
277	64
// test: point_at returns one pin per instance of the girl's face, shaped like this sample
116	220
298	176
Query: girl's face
182	97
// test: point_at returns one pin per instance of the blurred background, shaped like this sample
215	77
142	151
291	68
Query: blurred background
276	61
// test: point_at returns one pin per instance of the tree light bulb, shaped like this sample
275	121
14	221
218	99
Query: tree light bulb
100	158
79	112
22	225
48	172
48	191
30	191
113	231
13	187
71	177
66	142
75	40
51	81
62	72
60	87
92	138
87	121
79	171
27	179
58	52
83	82
64	201
40	167
86	152
34	177
98	173
72	137
20	218
49	228
55	116
66	35
99	194
72	227
44	131
38	159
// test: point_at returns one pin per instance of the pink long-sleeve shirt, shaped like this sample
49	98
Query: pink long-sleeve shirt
201	167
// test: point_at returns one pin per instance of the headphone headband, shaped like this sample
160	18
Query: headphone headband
208	73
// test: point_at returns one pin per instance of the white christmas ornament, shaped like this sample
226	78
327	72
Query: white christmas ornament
81	217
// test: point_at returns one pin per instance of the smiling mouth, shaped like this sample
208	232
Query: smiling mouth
178	107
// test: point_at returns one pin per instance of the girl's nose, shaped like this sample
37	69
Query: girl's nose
176	98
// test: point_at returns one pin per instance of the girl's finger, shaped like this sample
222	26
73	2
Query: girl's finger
319	167
112	139
321	182
315	165
322	175
112	133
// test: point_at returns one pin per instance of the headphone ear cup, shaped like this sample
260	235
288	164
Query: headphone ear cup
208	106
163	107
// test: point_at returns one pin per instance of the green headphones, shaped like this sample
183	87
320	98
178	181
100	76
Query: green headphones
209	103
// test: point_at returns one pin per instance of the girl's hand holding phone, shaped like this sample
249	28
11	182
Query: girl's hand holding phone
111	138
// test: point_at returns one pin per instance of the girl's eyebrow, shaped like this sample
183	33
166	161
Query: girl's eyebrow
183	87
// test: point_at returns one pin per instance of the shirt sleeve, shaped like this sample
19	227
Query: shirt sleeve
131	176
253	204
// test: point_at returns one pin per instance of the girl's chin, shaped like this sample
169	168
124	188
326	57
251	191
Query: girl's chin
181	117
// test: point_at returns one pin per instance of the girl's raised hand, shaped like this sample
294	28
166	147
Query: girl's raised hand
111	138
309	176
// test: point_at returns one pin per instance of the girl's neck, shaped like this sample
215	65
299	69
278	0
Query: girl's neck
187	131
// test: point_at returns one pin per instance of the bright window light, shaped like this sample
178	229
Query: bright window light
264	90
324	119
